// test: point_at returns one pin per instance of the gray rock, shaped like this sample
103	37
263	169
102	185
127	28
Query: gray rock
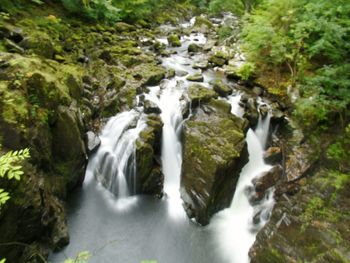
150	107
92	142
201	65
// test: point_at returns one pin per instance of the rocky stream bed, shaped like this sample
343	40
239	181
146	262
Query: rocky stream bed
163	131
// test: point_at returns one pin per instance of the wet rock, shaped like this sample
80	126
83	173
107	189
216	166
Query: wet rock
218	59
199	94
14	34
208	46
181	73
193	48
174	40
268	179
264	110
196	77
222	89
150	107
251	112
231	73
68	146
171	73
149	176
305	226
258	91
201	65
273	155
38	213
278	117
299	161
214	151
13	47
149	74
92	142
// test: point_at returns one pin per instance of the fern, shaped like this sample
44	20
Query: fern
9	166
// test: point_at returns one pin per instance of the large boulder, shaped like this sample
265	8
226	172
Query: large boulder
68	148
200	94
33	215
149	176
214	152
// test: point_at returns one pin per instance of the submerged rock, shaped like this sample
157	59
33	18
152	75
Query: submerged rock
214	152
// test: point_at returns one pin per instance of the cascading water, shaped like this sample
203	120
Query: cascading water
233	227
92	222
113	164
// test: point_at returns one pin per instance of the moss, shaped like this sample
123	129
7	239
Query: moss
202	21
174	40
199	94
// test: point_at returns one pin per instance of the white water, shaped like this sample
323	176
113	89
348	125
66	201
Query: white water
233	227
171	99
113	164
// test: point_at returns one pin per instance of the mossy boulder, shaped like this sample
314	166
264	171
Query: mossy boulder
193	48
221	88
40	43
214	152
174	40
202	24
200	94
34	214
69	154
203	21
219	58
149	176
149	74
198	77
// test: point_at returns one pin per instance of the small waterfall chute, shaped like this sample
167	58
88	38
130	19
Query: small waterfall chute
114	163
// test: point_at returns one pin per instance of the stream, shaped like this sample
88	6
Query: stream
104	216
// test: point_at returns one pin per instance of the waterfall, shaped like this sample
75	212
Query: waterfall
233	227
114	163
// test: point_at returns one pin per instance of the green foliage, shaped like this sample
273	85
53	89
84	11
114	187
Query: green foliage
309	41
101	10
2	260
237	7
82	257
10	168
339	151
9	163
245	71
4	196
